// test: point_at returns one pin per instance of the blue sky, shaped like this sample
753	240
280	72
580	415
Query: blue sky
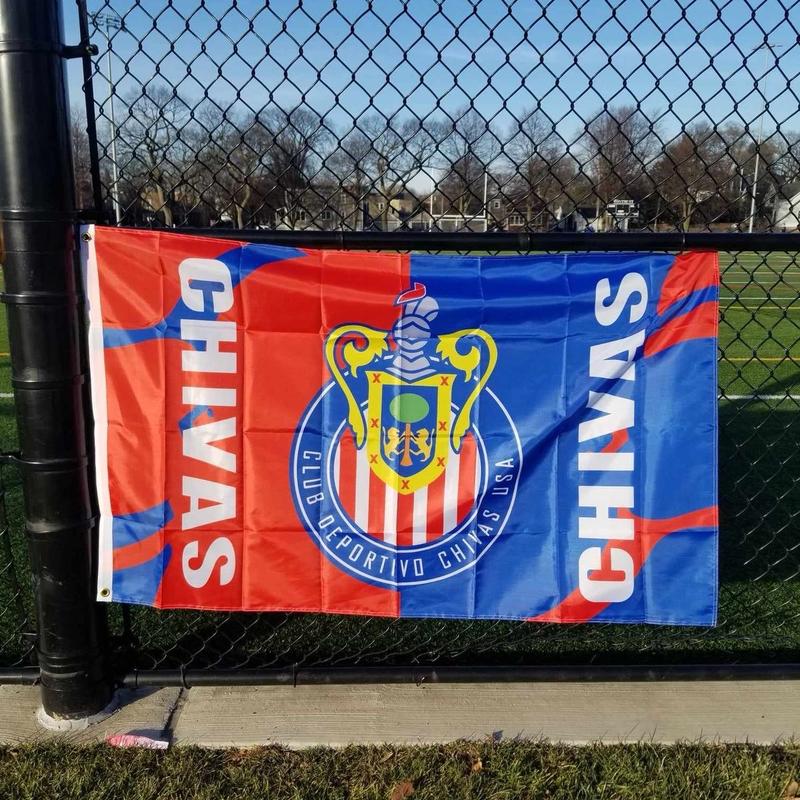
504	57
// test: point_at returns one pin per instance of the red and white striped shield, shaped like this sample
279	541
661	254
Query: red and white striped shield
407	519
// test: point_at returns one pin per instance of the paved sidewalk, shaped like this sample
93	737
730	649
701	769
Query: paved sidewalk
754	711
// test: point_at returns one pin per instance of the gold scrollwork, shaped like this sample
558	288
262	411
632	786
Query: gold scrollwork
356	353
467	363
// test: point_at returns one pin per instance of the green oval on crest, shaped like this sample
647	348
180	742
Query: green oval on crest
409	407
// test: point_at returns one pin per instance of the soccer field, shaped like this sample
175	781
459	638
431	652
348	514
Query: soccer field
759	464
759	325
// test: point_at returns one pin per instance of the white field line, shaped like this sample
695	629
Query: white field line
788	359
760	280
733	398
6	395
732	305
740	307
756	298
756	285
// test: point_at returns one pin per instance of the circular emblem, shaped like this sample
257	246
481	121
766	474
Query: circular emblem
399	475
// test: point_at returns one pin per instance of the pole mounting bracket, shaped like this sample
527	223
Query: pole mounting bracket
79	50
11	458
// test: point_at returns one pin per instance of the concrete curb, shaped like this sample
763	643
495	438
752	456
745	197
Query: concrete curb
727	711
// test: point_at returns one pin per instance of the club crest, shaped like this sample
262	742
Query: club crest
390	454
411	381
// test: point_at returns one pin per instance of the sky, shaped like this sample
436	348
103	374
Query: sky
683	60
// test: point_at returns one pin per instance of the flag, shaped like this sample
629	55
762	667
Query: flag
500	437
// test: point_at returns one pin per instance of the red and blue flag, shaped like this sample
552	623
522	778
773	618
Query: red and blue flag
502	437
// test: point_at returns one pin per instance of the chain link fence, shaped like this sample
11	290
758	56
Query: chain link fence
17	625
417	116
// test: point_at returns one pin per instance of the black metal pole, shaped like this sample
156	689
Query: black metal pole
521	242
91	122
37	211
308	676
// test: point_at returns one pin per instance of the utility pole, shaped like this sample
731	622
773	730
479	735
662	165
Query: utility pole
433	191
485	201
110	21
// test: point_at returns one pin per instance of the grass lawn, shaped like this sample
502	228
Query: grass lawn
505	771
759	379
15	597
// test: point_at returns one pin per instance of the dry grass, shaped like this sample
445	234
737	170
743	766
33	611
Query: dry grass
510	770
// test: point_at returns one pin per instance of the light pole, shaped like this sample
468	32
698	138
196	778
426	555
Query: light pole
110	21
766	47
485	201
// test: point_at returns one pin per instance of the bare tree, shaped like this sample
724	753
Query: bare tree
391	151
297	146
470	145
154	151
618	148
777	166
786	163
81	161
693	167
348	166
542	170
230	163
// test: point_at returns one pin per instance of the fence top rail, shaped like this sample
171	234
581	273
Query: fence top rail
522	242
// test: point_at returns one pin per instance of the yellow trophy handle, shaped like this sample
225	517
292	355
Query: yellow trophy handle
355	357
467	363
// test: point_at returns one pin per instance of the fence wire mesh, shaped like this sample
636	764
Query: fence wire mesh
16	615
418	116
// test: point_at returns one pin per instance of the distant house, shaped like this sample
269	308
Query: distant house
580	219
595	216
390	214
786	207
514	214
509	210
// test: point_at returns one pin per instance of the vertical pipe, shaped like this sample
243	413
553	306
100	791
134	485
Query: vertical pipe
37	215
485	201
91	125
114	167
754	188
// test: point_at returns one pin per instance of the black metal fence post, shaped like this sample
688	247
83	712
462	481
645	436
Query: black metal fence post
37	207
